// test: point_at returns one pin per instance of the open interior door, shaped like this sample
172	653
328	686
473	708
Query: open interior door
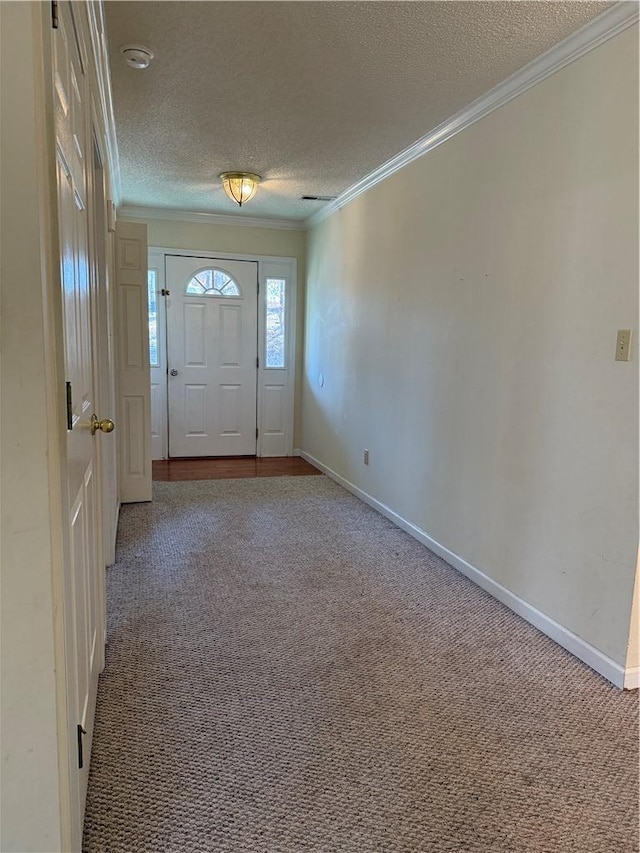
134	387
84	565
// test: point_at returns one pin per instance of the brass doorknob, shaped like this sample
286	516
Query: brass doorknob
104	425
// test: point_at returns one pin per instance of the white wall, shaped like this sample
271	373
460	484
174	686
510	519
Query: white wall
172	234
464	316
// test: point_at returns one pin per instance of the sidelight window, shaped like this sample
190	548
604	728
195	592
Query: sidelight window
152	283
275	322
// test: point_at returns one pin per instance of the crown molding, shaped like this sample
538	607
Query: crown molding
607	25
135	212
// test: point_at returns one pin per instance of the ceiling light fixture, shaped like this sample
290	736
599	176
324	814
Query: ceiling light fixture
136	55
240	186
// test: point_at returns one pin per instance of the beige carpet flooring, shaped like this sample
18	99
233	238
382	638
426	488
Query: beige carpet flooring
288	672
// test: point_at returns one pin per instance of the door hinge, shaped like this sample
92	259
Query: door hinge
256	432
258	288
257	361
54	14
81	732
165	292
69	407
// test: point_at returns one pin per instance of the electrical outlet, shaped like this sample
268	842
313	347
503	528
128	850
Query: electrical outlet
365	457
623	345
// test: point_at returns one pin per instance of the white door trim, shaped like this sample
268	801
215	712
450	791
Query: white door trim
268	266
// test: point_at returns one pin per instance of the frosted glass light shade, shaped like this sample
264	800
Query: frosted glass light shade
240	186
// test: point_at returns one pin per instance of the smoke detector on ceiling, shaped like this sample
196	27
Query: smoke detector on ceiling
136	55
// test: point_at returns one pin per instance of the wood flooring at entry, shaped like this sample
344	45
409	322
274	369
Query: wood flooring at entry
231	467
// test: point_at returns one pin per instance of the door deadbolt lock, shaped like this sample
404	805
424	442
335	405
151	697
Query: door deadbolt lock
104	425
173	372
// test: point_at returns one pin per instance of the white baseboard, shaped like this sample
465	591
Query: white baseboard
594	658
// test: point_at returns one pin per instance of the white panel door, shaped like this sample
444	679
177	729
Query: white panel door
134	410
84	571
105	362
212	356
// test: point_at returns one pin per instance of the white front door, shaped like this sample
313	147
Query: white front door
212	347
84	572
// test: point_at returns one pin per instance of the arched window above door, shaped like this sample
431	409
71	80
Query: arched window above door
213	282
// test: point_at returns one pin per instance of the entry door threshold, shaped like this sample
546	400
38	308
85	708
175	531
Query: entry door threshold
231	468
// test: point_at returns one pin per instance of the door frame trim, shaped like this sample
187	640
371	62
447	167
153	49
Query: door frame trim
267	268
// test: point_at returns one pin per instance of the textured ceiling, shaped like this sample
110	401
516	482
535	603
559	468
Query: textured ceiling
310	95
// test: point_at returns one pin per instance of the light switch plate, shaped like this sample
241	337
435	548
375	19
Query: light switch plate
623	345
